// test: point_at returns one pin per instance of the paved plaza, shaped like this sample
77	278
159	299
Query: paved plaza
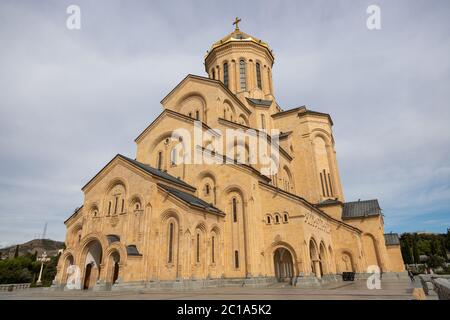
357	290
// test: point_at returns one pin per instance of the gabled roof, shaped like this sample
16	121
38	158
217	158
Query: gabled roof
269	138
168	112
158	173
192	200
132	250
260	102
113	238
148	169
360	209
216	82
302	111
78	209
329	202
391	239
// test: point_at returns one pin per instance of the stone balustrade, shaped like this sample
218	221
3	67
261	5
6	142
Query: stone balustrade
433	284
14	286
442	288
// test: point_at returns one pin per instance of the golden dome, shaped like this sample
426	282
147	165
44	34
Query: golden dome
238	36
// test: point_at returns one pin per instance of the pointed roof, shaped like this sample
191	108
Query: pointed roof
192	200
148	169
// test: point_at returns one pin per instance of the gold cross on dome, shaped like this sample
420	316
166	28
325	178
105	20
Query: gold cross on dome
236	22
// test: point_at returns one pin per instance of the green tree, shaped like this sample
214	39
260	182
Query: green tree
416	254
435	261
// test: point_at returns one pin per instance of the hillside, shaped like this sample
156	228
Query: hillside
32	246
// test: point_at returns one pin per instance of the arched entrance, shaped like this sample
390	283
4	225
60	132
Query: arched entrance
316	267
323	259
68	261
346	262
371	250
114	260
284	267
92	264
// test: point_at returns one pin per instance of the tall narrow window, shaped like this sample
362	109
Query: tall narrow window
236	259
213	258
258	75
123	205
329	182
234	208
213	74
197	115
173	156
170	258
198	247
263	121
225	74
326	183
242	75
321	182
109	208
159	160
115	205
207	189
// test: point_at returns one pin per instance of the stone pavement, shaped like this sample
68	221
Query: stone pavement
357	290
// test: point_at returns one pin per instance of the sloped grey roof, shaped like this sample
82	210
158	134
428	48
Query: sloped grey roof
132	250
113	238
157	172
329	201
260	102
391	239
358	209
192	200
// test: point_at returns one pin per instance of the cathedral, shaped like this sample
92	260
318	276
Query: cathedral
226	188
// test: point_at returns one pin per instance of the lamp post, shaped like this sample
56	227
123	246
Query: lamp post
42	259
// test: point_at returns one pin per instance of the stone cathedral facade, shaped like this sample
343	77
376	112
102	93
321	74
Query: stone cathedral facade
158	220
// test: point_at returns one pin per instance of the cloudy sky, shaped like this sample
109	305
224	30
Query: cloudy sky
72	99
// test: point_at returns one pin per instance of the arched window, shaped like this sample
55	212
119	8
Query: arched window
109	208
173	157
170	257
286	217
159	165
197	115
258	75
207	189
242	75
234	209
198	248
225	74
236	259
269	221
123	206
213	73
213	254
277	219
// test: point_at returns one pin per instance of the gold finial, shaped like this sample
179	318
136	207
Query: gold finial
236	22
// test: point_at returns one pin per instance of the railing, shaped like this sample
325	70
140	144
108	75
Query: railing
436	284
442	288
14	286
